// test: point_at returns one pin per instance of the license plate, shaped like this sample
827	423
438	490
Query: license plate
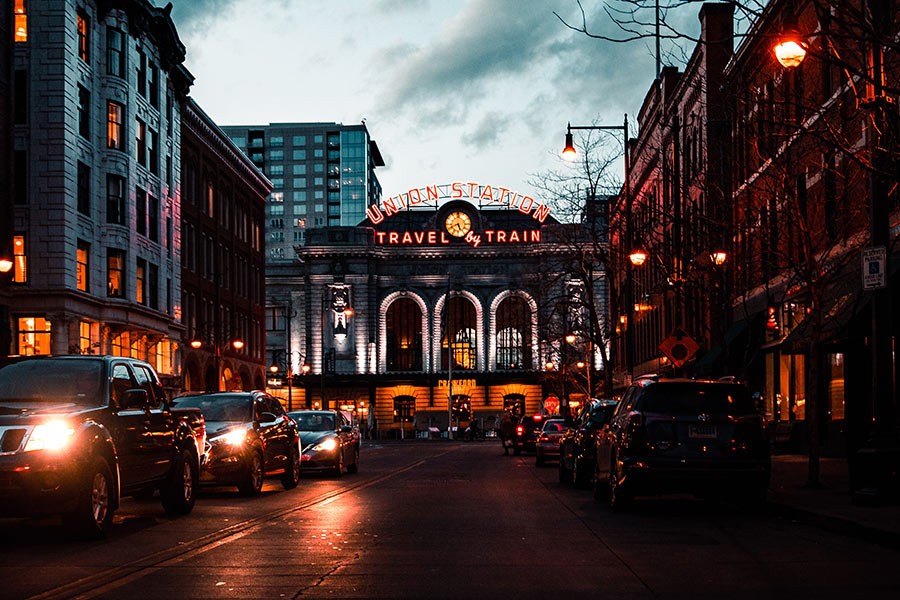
702	431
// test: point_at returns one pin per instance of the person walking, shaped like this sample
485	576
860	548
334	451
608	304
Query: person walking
507	430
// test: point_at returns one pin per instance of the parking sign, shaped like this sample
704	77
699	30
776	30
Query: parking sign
874	266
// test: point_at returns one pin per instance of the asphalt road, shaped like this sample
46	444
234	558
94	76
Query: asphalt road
441	520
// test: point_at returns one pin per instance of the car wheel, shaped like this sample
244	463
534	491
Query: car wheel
619	496
253	478
291	476
92	516
565	475
338	468
354	466
178	493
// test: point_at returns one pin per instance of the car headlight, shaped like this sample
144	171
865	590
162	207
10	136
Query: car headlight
54	435
326	445
235	437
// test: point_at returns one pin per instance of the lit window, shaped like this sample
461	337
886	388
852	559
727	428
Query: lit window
82	256
20	267
114	120
84	42
141	274
21	21
84	337
34	336
115	274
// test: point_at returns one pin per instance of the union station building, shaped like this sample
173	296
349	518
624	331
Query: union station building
447	303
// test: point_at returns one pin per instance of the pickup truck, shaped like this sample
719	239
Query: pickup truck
78	433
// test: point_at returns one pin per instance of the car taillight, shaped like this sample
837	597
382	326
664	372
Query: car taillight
520	430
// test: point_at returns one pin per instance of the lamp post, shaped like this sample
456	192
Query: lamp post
289	371
569	153
791	52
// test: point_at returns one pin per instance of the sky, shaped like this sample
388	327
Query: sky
450	90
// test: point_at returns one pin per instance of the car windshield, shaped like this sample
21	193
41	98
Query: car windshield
78	382
552	426
689	397
313	421
220	407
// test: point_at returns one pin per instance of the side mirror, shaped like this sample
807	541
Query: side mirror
135	398
346	429
267	418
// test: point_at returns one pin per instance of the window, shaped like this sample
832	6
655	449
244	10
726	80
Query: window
404	336
275	320
153	151
82	256
115	52
141	277
115	199
84	112
276	155
115	273
513	334
153	219
275	169
140	211
20	260
299	182
84	188
153	84
85	346
141	139
276	140
299	154
277	182
299	140
300	196
84	41
114	126
34	336
142	73
299	169
21	21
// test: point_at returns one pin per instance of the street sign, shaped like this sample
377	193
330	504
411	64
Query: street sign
679	347
874	267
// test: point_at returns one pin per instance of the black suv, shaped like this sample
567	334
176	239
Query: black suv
682	435
577	448
527	430
79	432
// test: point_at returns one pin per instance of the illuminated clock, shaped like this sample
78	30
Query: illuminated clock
458	223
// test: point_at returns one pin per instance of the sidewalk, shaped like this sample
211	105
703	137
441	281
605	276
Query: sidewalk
831	505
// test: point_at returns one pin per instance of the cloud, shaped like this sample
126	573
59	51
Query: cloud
485	41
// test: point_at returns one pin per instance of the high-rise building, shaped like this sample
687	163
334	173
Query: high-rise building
322	174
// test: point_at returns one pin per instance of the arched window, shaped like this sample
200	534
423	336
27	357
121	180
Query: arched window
459	327
404	336
513	334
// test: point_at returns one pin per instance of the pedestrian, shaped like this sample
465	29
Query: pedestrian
507	429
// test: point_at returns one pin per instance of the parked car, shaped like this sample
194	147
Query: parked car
526	433
680	435
330	441
578	445
547	444
250	437
79	432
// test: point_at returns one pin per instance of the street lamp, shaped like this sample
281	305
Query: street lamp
288	371
198	343
569	153
339	301
884	410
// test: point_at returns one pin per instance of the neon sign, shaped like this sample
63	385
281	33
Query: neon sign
430	195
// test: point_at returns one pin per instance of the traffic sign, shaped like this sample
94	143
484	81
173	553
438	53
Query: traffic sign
679	347
874	267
